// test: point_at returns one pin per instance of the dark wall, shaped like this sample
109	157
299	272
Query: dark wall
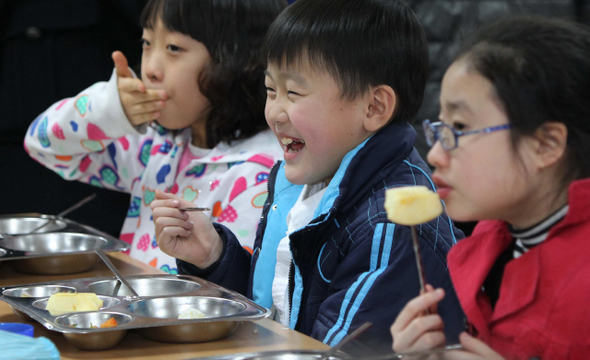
50	50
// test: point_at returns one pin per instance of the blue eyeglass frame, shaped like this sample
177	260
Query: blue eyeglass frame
434	128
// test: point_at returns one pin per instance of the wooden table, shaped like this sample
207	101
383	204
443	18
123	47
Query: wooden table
262	335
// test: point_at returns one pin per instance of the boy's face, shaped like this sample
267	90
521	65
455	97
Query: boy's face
314	125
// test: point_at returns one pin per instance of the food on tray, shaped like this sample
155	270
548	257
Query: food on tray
109	323
63	303
412	205
191	313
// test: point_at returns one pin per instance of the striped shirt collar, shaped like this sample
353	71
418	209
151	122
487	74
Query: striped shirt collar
532	236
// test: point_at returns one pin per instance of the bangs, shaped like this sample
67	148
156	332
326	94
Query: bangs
151	13
185	17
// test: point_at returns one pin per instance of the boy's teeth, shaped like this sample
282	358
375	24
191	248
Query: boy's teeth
293	145
288	140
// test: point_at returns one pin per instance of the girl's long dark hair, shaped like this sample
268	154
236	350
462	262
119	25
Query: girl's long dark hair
540	69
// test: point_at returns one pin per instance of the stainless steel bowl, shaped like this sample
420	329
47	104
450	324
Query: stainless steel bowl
53	243
145	287
56	265
55	253
107	302
200	331
24	225
95	338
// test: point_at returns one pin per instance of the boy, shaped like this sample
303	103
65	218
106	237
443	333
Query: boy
343	79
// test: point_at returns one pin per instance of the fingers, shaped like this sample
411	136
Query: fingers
424	332
416	307
165	210
434	308
164	195
168	218
172	232
475	349
161	195
143	112
140	104
140	94
413	330
121	64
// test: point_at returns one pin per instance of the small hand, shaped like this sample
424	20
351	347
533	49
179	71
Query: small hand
139	104
473	349
414	329
189	236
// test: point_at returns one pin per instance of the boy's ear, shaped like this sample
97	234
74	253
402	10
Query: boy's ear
382	103
550	143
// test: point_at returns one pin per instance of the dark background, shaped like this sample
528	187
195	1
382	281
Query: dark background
50	50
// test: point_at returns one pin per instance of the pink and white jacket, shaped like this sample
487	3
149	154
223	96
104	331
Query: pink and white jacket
88	138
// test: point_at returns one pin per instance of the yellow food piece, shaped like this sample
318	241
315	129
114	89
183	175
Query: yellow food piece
63	303
412	205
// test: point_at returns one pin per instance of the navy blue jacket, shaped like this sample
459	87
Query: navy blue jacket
350	264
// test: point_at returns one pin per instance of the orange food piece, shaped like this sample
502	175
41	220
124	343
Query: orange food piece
109	323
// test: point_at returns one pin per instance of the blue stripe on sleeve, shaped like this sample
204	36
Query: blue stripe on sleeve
383	234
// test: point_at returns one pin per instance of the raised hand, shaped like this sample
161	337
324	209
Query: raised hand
189	236
414	329
140	104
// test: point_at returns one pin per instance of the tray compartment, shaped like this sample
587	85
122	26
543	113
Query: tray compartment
107	303
145	287
190	332
171	307
94	339
38	291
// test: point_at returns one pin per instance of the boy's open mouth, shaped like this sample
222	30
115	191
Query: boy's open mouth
293	144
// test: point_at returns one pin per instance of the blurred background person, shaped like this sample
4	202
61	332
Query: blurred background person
50	49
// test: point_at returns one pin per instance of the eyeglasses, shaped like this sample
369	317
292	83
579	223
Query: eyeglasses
448	136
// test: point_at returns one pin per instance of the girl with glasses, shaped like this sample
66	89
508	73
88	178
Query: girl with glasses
512	150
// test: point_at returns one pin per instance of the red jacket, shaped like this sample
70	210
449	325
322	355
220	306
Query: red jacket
544	305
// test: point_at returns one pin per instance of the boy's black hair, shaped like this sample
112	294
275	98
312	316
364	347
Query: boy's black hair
233	82
540	69
360	43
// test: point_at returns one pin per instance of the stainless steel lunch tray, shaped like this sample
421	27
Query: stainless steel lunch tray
280	355
62	246
154	314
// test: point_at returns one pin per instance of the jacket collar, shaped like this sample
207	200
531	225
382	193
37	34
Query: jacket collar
357	173
383	151
472	258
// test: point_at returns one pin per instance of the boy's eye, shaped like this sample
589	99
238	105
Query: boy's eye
174	48
144	42
268	88
293	93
